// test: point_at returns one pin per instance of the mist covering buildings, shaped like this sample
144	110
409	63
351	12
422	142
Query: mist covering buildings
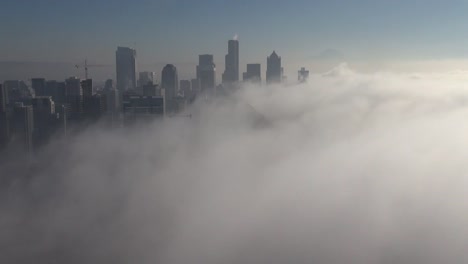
338	167
349	168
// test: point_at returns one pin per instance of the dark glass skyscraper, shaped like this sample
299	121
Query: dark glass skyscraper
126	68
39	86
4	125
206	73
274	71
253	73
170	84
23	126
231	72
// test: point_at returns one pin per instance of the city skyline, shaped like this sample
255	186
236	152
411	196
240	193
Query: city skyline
401	36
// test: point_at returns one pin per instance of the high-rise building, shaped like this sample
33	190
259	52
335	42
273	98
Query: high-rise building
253	73
3	99
231	72
112	100
51	87
151	89
126	68
23	126
39	86
206	73
185	88
74	97
195	83
61	94
302	75
109	85
141	108
88	100
274	71
44	119
170	84
4	125
145	78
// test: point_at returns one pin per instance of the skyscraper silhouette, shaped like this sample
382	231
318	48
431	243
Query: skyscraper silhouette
253	73
126	68
4	125
274	71
39	86
302	75
23	126
170	84
231	72
206	73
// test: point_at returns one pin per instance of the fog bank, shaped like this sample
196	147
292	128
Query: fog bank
348	168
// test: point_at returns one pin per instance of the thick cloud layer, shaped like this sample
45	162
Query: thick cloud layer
349	168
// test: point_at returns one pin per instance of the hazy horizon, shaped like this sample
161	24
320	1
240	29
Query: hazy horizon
370	35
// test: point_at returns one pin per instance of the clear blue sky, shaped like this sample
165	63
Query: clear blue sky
178	30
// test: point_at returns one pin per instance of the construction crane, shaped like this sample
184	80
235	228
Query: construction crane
86	66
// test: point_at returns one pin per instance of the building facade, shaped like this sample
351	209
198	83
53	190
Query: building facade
231	72
206	73
125	68
170	84
253	73
274	71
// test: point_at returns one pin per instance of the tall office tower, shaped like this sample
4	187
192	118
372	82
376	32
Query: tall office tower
22	126
253	73
74	97
126	68
61	94
109	84
51	89
170	84
231	72
274	71
3	99
44	119
151	89
4	125
112	100
302	75
185	88
206	73
141	108
195	83
145	78
88	102
39	86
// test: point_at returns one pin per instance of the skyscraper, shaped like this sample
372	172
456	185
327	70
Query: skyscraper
302	75
74	94
274	71
253	73
39	86
206	73
44	119
195	83
3	99
231	72
170	84
145	78
4	125
23	126
185	88
126	68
